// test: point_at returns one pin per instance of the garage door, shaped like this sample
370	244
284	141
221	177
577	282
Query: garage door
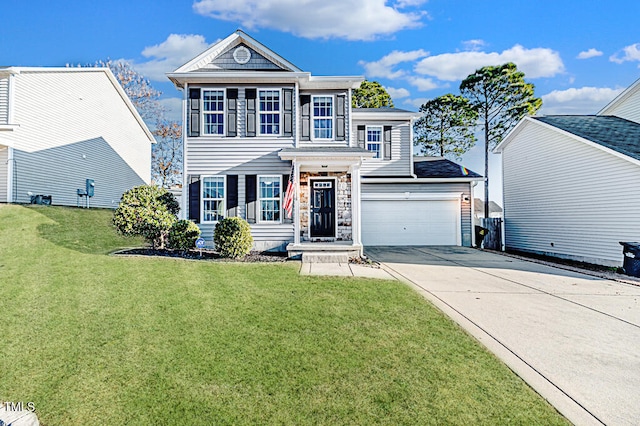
410	222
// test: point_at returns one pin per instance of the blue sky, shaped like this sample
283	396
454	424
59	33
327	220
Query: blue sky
579	54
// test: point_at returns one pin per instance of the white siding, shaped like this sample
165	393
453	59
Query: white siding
629	109
39	172
4	100
400	163
568	199
431	188
60	108
4	157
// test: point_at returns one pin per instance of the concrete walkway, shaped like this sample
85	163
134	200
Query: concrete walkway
574	338
345	270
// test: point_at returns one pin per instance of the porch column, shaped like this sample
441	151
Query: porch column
296	204
355	203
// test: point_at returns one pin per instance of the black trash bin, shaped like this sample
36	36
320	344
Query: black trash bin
631	262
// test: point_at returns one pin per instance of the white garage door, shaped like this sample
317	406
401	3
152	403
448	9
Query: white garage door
410	222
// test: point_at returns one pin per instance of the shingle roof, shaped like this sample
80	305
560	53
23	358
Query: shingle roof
382	109
437	167
612	132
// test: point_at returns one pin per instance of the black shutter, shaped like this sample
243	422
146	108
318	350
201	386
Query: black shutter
387	142
194	112
361	136
232	112
194	201
285	186
250	96
251	197
305	106
232	191
287	112
232	196
341	114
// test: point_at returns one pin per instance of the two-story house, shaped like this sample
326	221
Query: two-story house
254	123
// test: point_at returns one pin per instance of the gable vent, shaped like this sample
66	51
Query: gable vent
241	55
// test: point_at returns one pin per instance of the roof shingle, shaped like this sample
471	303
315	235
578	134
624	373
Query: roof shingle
612	132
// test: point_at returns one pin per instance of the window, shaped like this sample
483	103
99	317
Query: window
269	112
213	112
269	198
374	141
213	198
323	117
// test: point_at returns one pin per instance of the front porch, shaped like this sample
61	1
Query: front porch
326	203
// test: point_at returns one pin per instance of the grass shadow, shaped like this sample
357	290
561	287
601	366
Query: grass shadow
82	230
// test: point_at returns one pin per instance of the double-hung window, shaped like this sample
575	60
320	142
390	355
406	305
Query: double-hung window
374	140
269	112
213	196
323	117
213	112
269	198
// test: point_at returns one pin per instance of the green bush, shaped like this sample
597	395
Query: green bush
232	237
183	235
146	210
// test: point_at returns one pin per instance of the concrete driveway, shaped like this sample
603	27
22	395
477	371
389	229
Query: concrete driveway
574	338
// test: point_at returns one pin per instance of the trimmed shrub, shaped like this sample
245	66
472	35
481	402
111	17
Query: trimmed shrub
146	210
183	235
232	237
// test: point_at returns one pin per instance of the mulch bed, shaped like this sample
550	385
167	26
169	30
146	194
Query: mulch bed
254	256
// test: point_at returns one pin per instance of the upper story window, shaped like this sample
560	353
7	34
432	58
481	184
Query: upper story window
323	117
374	140
213	196
213	112
269	197
269	111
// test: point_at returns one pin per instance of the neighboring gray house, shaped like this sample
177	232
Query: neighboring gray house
495	210
252	119
61	126
571	183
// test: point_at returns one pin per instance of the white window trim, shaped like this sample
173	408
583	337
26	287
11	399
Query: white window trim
259	200
259	112
224	198
333	118
203	113
366	140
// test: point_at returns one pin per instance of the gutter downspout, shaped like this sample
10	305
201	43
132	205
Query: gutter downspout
185	184
473	214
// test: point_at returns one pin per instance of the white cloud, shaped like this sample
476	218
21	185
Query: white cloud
169	55
384	67
416	102
628	53
397	93
591	53
473	45
585	100
347	19
424	84
172	108
537	62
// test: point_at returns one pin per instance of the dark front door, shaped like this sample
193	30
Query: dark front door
323	208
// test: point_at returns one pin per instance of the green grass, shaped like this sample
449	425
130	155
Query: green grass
97	339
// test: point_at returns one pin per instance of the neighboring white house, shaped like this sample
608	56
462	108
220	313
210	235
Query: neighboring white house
251	117
572	183
61	126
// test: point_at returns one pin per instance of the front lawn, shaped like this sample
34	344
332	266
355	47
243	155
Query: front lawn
93	339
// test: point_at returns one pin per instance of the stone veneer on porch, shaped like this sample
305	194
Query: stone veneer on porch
343	206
